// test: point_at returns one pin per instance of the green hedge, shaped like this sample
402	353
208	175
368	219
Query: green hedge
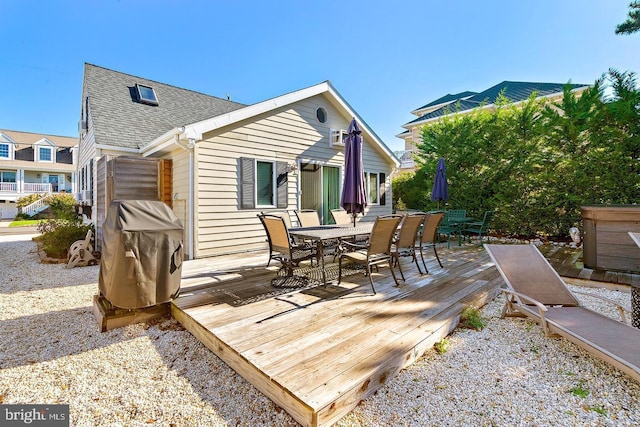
537	162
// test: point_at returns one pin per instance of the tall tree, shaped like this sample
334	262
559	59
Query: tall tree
632	24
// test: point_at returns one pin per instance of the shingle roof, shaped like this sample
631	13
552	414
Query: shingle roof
30	138
120	121
513	91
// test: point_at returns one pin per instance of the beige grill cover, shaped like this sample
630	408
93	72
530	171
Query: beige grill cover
142	253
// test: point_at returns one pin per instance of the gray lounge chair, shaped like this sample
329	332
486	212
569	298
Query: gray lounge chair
538	292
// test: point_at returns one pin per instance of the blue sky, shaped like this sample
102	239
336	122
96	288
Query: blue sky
386	58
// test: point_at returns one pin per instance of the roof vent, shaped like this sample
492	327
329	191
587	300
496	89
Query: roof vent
146	95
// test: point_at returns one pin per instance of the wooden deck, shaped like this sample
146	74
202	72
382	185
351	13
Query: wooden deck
317	352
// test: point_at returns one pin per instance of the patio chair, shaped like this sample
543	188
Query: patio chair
429	237
308	218
282	248
341	217
377	251
480	227
80	252
535	290
450	224
405	243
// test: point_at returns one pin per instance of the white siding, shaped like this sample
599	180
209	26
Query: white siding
291	134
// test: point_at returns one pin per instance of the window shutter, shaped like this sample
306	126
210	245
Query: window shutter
247	183
383	192
282	187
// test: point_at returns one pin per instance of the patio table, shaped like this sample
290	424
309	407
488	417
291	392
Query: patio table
323	233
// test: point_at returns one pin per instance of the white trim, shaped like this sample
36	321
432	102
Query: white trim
274	183
44	141
38	147
250	111
115	148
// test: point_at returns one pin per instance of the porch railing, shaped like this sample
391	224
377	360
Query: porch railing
8	187
36	187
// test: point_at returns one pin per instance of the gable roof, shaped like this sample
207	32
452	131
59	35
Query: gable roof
119	120
30	138
196	129
513	91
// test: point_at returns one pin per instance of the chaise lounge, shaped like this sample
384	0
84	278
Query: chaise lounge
535	290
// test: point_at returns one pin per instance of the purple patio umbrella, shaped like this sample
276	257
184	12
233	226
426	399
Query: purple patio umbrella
354	195
440	189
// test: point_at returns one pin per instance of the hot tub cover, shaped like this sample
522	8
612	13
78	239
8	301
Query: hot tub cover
141	261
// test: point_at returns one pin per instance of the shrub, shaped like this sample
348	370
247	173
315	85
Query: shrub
28	199
471	319
63	206
58	236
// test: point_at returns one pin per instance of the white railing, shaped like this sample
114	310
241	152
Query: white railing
36	187
8	187
34	207
406	158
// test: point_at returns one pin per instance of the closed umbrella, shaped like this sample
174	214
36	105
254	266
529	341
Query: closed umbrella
440	191
354	195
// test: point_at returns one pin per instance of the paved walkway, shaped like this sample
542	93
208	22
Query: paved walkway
5	230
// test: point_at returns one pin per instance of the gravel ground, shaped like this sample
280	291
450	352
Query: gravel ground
158	374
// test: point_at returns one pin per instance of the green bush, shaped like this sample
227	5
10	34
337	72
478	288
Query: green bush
537	163
28	199
63	206
58	236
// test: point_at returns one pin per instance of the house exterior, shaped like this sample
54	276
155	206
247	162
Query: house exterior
465	102
229	161
34	163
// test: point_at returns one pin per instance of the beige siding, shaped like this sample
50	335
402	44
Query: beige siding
291	134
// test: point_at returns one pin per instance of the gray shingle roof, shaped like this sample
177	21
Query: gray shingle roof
120	121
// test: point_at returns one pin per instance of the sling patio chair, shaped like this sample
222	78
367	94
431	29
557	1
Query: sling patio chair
377	251
308	218
535	290
283	249
341	217
429	237
405	243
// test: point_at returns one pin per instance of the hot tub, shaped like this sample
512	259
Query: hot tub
606	244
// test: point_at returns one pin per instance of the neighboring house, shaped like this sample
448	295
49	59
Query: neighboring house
229	161
468	101
34	163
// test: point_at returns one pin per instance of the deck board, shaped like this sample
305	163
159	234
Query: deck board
317	352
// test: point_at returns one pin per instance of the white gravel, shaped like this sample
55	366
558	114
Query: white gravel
158	374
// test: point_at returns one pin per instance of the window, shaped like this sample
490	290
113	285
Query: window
6	176
263	184
146	95
372	187
321	115
4	151
376	188
45	154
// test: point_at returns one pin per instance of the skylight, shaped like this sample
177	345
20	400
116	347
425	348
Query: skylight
146	95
